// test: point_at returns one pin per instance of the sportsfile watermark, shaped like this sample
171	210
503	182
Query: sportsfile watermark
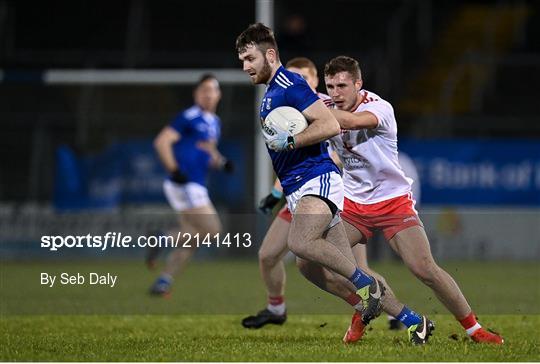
113	240
96	263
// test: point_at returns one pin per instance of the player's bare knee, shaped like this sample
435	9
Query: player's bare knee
297	246
426	270
294	247
267	259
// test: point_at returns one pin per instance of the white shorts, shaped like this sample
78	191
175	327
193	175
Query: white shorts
328	185
186	196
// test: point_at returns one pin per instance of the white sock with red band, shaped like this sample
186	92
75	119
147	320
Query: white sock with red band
276	305
470	324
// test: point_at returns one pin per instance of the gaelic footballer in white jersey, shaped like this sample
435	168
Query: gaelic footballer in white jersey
370	156
378	197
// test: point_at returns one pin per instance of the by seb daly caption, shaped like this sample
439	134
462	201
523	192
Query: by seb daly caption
89	279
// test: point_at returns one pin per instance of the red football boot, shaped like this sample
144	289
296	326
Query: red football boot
356	329
485	336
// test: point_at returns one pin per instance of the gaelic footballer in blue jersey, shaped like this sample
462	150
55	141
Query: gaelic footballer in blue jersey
299	165
310	180
187	148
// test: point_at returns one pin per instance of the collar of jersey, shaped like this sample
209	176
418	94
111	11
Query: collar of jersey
205	114
273	80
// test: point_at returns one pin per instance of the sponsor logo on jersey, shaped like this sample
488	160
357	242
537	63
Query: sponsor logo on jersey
356	162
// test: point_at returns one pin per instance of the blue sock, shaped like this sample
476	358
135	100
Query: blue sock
409	317
165	278
360	279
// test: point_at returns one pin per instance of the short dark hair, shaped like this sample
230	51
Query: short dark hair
301	62
205	77
343	64
258	35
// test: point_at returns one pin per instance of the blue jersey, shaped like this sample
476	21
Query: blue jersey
296	167
194	126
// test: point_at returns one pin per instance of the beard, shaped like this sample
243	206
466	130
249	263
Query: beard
264	74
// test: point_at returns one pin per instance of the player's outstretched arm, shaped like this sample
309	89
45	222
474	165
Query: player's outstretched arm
358	120
322	125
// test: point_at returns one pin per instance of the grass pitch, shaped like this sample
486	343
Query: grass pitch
201	322
221	338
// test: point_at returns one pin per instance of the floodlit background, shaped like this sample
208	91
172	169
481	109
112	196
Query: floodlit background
86	85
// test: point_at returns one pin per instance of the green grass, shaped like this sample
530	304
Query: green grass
201	322
221	338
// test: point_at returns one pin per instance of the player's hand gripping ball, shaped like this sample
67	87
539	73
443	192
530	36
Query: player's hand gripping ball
280	127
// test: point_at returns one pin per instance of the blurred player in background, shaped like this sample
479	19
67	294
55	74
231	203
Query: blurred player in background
377	193
311	181
187	148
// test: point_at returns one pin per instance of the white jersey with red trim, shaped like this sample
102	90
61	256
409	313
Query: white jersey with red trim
371	171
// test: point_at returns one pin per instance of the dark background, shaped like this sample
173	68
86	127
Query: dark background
452	69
